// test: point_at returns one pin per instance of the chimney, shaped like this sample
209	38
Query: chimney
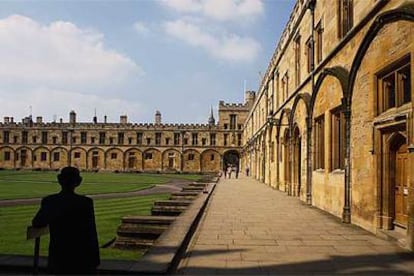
72	117
39	119
123	119
6	120
95	119
11	120
61	120
105	119
157	117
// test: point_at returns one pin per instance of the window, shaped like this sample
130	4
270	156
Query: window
120	138
195	139
7	156
24	137
191	156
102	137
54	140
56	156
167	141
320	142
225	137
83	137
345	17
44	137
148	141
111	140
148	156
203	141
139	138
15	139
6	136
158	138
337	140
43	156
114	155
77	155
272	152
212	139
318	42
239	126
226	126
309	54
297	59
394	86
129	140
285	86
212	157
176	138
34	139
239	139
276	89
185	141
92	140
233	121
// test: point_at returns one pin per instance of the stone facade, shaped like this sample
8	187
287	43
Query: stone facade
124	146
332	123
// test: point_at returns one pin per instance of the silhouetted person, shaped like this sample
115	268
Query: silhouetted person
73	247
225	171
247	171
237	171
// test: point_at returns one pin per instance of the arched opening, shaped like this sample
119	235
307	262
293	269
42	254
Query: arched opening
296	162
231	158
286	161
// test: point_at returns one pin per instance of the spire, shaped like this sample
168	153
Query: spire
211	120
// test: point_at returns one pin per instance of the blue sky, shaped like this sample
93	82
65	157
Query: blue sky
133	57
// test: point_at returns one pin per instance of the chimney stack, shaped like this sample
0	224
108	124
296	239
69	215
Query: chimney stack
72	117
39	119
123	119
157	117
6	120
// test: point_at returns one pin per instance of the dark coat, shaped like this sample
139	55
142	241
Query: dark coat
73	246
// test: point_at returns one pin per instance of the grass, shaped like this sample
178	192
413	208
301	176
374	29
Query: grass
108	212
32	184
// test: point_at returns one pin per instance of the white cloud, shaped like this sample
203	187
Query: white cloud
221	10
227	47
59	57
141	28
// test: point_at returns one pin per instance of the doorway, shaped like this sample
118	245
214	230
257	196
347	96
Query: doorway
399	180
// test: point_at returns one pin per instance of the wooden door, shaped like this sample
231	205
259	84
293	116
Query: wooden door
94	162
401	186
131	162
171	162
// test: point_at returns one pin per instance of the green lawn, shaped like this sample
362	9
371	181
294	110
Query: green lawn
108	212
31	184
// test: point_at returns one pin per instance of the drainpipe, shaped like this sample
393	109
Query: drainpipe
311	7
346	215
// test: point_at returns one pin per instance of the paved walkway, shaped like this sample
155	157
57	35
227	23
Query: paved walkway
249	228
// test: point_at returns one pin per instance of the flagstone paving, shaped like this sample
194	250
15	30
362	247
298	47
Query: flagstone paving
250	228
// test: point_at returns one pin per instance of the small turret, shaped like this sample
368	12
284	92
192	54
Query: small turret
123	119
211	120
157	117
72	117
249	97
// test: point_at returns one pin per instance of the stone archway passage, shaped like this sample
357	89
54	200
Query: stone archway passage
231	157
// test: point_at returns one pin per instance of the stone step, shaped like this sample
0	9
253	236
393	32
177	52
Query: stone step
151	220
185	193
137	230
172	202
192	189
128	243
181	197
196	184
167	210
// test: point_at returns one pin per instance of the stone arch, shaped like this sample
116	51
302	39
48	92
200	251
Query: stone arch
114	159
78	158
210	161
58	157
191	161
171	160
133	159
285	115
96	159
306	99
296	178
404	12
9	163
41	157
151	160
338	72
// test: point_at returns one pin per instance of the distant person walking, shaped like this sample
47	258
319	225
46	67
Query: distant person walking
247	171
229	169
225	172
73	247
237	171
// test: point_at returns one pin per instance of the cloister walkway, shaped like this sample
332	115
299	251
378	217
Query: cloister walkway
249	228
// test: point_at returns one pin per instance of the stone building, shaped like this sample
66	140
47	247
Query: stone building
125	146
332	123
